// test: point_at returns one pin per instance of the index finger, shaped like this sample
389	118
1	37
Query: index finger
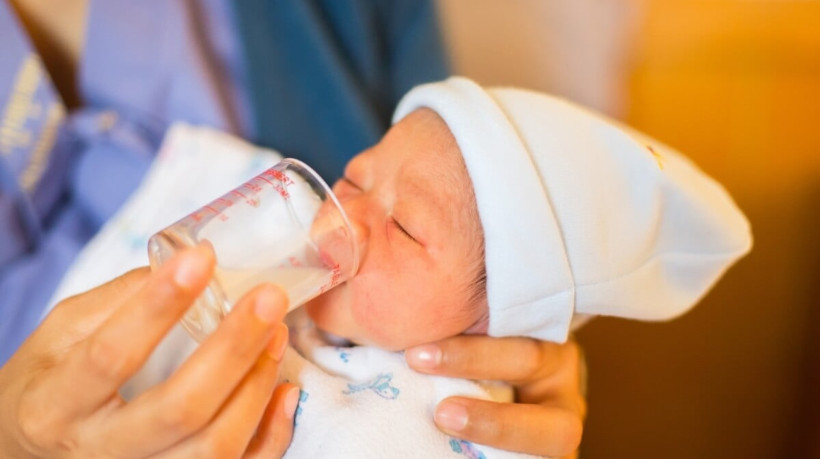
516	360
551	430
78	316
122	344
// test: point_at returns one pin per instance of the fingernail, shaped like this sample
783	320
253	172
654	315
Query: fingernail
451	416
291	400
266	308
277	345
425	357
191	267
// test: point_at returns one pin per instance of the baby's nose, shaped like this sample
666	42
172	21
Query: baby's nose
359	213
361	232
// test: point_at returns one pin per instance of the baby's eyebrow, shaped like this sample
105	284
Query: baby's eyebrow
425	191
432	197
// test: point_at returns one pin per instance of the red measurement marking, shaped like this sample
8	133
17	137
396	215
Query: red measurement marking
334	279
248	201
224	202
282	192
294	262
337	274
216	212
278	175
253	187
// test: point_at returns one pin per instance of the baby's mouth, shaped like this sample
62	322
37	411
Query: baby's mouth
337	254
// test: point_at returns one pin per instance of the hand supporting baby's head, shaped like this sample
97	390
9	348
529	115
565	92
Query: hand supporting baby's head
421	276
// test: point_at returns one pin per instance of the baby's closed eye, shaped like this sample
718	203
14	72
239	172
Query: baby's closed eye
395	223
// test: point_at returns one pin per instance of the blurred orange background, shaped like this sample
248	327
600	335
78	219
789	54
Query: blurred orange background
735	85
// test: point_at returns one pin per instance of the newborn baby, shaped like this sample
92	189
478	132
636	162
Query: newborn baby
496	211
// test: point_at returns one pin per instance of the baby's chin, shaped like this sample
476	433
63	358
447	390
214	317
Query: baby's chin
330	316
337	326
333	315
333	333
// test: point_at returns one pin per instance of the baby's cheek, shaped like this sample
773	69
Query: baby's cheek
393	313
376	321
328	311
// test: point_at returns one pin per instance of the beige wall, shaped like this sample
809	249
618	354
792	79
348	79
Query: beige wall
735	84
575	48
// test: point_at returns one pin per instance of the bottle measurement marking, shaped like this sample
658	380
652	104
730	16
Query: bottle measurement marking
335	276
252	190
253	187
282	190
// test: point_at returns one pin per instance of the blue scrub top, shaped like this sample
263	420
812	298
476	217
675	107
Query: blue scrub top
314	79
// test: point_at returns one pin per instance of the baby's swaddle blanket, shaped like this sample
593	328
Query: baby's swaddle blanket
364	402
356	402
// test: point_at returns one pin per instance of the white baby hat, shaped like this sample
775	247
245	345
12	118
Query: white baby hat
582	216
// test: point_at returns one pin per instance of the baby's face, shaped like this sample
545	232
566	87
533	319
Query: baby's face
412	208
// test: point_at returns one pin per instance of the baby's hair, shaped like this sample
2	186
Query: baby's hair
479	283
478	296
455	181
477	293
477	272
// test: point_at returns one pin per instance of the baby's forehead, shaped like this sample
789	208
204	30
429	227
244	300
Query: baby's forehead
437	158
439	166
